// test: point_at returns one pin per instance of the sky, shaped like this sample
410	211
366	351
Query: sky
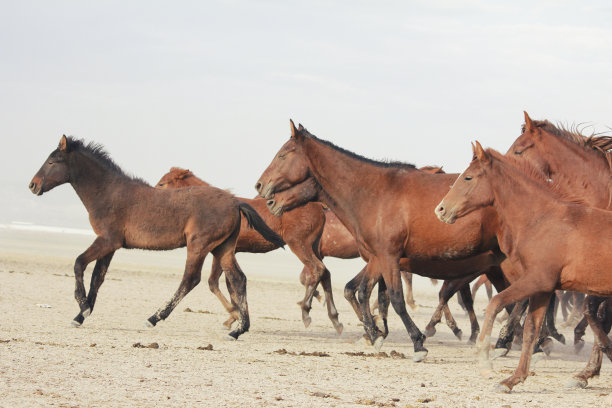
211	85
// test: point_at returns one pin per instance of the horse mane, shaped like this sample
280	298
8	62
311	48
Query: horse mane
384	164
599	142
557	187
96	152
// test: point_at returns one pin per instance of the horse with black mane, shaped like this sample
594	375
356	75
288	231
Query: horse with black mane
386	207
126	212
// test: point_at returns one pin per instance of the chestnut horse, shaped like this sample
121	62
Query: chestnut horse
555	244
385	207
126	212
586	165
301	229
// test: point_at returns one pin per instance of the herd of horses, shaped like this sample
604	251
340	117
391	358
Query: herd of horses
532	221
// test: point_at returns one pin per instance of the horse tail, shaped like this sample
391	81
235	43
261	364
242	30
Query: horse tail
255	221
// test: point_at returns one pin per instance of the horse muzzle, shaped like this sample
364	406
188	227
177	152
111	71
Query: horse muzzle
444	214
36	188
274	207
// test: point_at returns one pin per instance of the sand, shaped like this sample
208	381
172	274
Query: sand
113	360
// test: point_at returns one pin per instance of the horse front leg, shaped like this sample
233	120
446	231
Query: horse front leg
538	305
100	250
97	277
390	272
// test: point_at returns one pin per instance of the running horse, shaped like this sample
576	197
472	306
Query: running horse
387	208
558	243
585	162
301	229
126	212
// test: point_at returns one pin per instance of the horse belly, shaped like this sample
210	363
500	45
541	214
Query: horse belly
154	240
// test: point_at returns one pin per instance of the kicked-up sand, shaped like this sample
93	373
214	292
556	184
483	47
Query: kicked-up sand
113	360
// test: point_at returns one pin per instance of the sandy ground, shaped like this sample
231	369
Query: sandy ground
45	362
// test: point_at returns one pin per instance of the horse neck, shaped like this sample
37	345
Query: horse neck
508	183
585	171
93	182
345	181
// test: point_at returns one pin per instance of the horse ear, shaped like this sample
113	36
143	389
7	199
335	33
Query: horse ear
300	127
294	131
63	144
528	123
183	174
479	152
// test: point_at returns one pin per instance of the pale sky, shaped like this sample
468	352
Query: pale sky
211	85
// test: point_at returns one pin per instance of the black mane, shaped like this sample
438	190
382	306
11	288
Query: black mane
384	164
96	152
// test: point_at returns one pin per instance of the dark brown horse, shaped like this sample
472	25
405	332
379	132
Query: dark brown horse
386	207
585	163
126	212
554	244
301	229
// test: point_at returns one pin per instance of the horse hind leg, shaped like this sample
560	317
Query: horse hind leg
506	333
237	283
191	278
407	276
593	367
213	284
469	305
383	308
332	312
449	288
350	290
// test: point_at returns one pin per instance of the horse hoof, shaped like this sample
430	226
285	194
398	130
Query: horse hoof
486	368
363	341
547	346
74	323
458	334
502	388
430	331
576	383
148	324
560	338
500	352
537	357
339	327
578	346
378	343
86	312
307	321
419	356
229	338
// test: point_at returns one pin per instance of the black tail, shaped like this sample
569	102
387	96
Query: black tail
255	221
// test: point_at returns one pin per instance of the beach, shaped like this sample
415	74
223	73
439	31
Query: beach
114	360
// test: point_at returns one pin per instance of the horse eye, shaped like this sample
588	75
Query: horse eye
50	163
468	178
282	156
518	153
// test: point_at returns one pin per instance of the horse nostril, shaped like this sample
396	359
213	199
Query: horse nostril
440	209
32	186
270	203
258	187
